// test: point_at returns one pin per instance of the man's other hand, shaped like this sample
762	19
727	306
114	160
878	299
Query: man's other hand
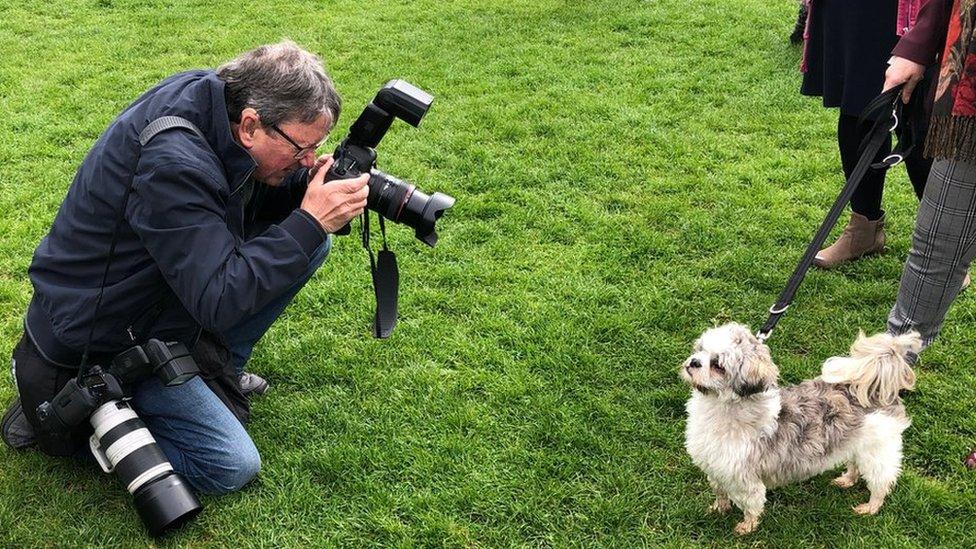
335	203
324	161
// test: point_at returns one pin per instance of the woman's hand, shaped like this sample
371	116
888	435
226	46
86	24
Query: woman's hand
903	71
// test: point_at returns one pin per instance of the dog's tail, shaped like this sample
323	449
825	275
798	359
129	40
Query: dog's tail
877	368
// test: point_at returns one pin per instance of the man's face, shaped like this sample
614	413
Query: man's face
271	149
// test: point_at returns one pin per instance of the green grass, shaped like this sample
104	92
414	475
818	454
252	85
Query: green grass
628	173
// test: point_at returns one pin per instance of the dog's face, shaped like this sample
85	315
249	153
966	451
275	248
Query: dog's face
729	360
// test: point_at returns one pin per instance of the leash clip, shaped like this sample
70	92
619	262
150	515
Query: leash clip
888	162
762	335
894	115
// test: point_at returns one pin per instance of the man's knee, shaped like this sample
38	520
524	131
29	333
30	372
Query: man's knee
235	476
226	472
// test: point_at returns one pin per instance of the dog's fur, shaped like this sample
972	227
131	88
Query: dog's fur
747	434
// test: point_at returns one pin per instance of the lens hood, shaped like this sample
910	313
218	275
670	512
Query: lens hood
433	210
165	504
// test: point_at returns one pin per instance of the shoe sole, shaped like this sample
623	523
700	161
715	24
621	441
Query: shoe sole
14	414
259	390
817	262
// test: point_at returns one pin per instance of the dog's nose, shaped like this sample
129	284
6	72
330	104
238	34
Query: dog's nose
695	363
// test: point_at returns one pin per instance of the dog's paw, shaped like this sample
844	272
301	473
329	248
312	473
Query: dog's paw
746	526
843	482
720	506
867	509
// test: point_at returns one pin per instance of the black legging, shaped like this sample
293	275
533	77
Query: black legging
867	198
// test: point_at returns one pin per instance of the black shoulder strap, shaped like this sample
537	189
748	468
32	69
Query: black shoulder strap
164	123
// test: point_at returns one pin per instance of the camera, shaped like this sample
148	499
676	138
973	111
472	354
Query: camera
393	198
76	401
169	361
121	443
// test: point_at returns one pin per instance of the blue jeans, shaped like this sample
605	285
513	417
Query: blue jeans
242	337
202	439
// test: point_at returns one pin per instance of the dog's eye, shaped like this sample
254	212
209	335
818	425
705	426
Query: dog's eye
715	365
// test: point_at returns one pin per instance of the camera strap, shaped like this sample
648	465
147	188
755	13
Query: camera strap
886	114
153	129
386	281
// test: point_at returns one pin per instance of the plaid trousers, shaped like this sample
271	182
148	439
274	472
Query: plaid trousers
943	246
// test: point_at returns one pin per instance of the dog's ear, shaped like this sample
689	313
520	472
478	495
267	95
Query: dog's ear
746	388
757	372
741	335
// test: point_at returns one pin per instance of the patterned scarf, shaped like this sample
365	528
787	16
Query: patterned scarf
952	133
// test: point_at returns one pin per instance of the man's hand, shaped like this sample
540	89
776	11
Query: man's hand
903	71
324	161
334	203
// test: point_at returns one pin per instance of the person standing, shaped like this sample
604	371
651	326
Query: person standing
845	56
944	239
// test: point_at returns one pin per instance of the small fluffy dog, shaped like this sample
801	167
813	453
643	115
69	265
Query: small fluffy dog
747	434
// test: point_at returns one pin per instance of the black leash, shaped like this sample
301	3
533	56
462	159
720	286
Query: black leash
886	111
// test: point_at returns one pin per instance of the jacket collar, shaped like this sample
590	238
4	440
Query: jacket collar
238	164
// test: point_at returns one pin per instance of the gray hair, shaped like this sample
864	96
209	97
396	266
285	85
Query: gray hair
282	82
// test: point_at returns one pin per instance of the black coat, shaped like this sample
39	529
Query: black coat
182	261
846	54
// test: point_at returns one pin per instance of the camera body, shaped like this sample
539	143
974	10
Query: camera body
171	362
76	401
121	443
395	199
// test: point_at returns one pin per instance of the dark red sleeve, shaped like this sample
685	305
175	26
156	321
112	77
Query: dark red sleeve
924	42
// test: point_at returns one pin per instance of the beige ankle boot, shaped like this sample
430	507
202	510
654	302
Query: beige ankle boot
860	237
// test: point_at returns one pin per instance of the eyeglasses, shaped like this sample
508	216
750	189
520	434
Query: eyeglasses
300	150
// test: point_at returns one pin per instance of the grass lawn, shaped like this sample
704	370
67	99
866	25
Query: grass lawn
628	173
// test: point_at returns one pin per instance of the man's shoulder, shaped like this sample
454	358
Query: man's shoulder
196	97
181	151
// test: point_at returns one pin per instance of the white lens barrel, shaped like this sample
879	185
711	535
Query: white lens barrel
128	445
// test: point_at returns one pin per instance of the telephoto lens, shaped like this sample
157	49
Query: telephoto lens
122	444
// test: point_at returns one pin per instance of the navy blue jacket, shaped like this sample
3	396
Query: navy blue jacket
185	257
